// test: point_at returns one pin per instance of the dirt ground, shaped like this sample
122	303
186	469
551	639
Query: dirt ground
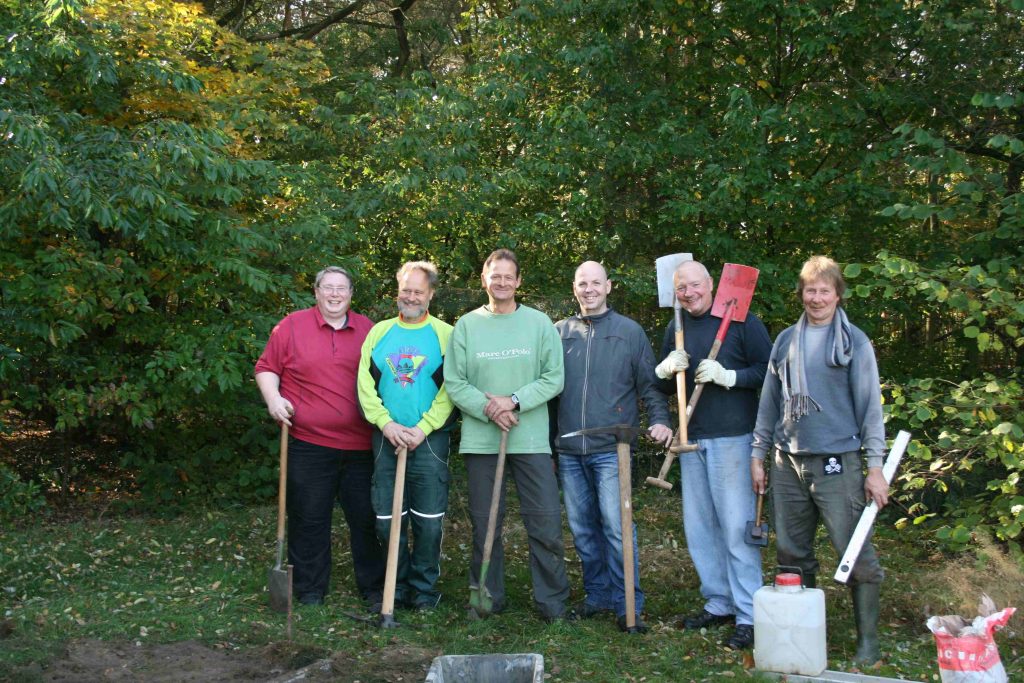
94	660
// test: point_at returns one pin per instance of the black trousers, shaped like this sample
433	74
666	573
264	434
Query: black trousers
318	477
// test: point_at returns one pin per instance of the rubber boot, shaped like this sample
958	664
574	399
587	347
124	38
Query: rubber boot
810	580
865	613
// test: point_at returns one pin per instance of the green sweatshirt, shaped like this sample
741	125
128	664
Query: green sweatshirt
517	353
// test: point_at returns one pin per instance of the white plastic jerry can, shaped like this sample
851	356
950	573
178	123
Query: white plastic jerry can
789	627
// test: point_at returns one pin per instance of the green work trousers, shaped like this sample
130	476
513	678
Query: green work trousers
423	508
830	488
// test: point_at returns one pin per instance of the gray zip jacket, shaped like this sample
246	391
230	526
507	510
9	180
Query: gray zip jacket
609	365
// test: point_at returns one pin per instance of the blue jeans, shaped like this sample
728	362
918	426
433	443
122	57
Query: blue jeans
718	501
590	484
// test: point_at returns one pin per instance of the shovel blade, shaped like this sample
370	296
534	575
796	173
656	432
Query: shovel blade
665	266
737	282
280	586
756	534
479	597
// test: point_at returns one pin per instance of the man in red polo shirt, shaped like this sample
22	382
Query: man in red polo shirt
307	375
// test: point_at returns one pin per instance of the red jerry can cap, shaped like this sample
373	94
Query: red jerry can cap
788	579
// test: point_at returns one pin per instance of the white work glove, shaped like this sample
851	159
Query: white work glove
712	371
677	361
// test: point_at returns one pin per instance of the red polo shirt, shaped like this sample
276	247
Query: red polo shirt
317	365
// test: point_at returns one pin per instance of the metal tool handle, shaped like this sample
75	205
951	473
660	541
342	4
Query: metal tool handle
867	518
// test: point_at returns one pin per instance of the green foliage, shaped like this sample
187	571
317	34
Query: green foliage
953	328
18	499
167	189
146	246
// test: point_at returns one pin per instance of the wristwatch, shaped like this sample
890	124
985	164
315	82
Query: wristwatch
515	402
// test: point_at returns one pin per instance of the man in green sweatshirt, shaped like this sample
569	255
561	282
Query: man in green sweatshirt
503	365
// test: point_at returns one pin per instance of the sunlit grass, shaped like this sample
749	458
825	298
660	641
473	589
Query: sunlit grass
203	576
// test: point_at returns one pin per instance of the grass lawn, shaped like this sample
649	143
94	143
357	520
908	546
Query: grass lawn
141	583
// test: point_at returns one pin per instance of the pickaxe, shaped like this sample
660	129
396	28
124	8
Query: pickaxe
624	435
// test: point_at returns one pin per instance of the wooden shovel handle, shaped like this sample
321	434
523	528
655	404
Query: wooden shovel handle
391	568
681	378
282	484
492	515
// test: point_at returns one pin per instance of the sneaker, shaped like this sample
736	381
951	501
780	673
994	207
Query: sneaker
640	626
742	638
311	599
706	619
587	611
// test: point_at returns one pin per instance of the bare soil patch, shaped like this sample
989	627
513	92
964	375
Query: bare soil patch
90	660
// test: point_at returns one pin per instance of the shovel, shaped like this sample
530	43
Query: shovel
480	600
732	302
757	532
279	578
666	268
387	610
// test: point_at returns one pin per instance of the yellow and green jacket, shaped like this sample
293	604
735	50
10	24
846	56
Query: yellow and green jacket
401	374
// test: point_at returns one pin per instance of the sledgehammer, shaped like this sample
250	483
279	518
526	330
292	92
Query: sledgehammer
624	435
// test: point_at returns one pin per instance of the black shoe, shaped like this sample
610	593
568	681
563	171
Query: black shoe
639	627
587	611
706	619
374	603
742	638
425	603
311	599
569	615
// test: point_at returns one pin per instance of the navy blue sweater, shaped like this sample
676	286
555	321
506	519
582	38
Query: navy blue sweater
746	349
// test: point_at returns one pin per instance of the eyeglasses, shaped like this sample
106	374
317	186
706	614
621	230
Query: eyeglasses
340	289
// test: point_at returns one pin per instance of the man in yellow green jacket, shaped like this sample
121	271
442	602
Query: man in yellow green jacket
402	394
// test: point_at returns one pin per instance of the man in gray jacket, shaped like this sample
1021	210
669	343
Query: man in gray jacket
609	363
820	414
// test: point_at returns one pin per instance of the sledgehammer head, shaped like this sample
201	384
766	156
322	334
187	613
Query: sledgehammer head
623	433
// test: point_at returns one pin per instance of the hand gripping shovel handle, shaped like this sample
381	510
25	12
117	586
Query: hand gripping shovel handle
480	597
723	329
387	610
867	518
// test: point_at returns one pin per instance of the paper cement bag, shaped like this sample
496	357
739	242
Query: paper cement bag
967	651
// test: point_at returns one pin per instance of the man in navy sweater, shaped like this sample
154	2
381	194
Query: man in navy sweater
718	499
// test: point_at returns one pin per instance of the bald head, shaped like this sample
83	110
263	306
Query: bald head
693	287
591	287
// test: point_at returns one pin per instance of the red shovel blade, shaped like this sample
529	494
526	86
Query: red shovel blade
737	282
